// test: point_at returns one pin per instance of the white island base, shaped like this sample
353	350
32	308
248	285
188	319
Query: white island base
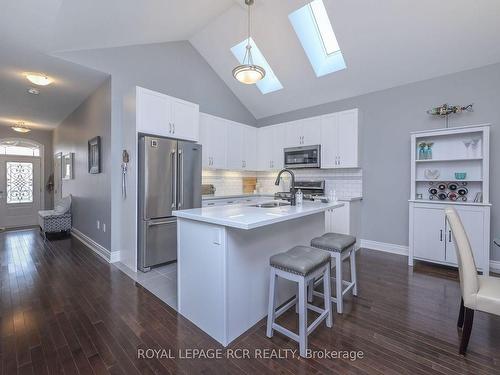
223	271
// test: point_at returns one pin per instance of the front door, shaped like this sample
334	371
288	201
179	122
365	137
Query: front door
19	191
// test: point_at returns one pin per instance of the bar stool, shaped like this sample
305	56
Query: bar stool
341	247
300	264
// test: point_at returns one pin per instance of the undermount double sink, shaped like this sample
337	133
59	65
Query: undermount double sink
270	204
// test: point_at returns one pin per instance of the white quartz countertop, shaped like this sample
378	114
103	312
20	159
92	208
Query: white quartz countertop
248	217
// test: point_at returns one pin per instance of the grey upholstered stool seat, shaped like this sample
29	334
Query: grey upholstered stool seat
300	260
303	265
341	247
334	242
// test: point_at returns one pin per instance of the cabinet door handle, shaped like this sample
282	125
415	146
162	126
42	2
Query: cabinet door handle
173	125
441	235
170	127
449	236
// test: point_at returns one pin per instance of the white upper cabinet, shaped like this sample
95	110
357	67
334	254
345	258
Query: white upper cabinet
235	146
305	132
311	131
265	147
213	138
185	119
160	114
339	140
270	144
241	146
348	139
231	145
250	143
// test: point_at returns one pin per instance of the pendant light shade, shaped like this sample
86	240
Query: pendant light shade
248	73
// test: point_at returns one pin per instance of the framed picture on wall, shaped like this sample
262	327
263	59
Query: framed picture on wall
95	155
67	166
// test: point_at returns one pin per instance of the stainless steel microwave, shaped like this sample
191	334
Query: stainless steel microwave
303	157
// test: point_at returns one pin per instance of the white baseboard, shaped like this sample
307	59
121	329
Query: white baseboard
383	246
403	250
104	253
495	266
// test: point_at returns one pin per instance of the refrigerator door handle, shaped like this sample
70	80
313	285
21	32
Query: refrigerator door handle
163	222
181	179
174	179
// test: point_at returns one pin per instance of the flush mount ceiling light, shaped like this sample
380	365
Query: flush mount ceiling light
248	73
21	127
39	79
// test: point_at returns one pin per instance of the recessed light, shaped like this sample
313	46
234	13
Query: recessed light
39	79
33	91
20	127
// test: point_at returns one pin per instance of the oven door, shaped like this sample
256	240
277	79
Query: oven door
303	157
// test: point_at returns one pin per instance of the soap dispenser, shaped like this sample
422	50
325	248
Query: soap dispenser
299	197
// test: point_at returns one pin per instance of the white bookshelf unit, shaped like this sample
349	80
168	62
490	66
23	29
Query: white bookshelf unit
434	185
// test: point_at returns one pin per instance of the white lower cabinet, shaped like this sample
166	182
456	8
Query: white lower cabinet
431	238
345	219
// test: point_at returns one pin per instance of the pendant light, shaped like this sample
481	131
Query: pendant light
21	127
248	73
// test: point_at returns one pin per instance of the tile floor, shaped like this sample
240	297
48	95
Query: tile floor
161	281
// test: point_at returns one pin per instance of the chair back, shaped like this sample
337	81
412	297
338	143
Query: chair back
469	284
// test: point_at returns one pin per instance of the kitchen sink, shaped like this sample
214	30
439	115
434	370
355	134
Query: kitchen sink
270	204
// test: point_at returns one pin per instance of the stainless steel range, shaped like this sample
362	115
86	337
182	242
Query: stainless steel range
310	189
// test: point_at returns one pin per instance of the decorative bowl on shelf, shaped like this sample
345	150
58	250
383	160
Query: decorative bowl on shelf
431	174
460	175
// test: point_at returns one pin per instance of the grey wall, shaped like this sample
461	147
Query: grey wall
91	192
45	138
387	119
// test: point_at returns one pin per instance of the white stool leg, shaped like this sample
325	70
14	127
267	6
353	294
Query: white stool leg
354	278
271	312
338	282
302	317
310	289
327	295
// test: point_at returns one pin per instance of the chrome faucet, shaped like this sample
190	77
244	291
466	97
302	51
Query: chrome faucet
292	188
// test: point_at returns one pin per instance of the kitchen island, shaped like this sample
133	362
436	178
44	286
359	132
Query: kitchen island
223	261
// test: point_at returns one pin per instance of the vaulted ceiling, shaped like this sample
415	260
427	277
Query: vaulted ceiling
384	43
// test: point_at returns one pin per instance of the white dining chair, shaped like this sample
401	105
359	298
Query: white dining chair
481	293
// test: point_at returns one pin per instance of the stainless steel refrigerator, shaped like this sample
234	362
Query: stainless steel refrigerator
169	180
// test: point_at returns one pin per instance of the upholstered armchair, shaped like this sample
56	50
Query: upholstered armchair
481	293
56	220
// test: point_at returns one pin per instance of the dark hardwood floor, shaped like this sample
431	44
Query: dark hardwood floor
63	310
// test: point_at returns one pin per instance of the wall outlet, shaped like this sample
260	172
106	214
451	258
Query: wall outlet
98	224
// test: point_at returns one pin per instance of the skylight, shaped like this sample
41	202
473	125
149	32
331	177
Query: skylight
270	82
315	32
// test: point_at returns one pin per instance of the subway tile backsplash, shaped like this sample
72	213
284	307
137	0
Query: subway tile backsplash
346	182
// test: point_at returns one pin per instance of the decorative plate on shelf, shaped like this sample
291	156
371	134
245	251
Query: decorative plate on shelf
432	174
